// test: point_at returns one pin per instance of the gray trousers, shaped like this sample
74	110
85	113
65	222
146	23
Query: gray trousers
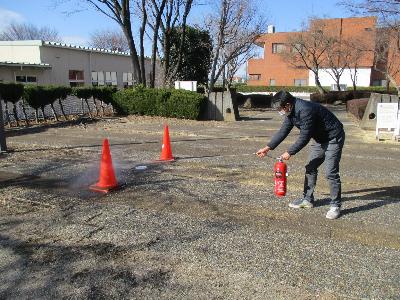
331	153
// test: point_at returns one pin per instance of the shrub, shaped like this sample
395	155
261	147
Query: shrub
35	96
376	89
344	96
292	89
185	104
11	92
159	102
104	94
82	92
357	107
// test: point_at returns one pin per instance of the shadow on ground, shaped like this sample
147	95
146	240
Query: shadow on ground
50	271
380	196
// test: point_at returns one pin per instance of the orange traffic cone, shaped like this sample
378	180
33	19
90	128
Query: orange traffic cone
107	180
166	152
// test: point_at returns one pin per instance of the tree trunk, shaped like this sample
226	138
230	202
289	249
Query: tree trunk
62	109
24	113
95	106
318	83
219	46
44	116
15	113
54	112
102	107
154	45
166	59
134	56
141	36
83	109
338	83
36	116
181	42
87	103
7	120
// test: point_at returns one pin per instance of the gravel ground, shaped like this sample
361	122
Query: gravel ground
206	226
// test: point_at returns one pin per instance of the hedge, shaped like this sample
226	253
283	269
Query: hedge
331	97
306	89
12	92
159	102
292	89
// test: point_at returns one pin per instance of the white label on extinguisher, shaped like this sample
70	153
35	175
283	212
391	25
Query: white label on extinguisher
280	185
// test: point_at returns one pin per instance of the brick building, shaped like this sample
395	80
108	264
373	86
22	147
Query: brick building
273	70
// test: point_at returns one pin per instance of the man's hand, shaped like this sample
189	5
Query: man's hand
262	152
285	156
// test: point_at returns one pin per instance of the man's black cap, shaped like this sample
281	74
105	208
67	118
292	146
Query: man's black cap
281	98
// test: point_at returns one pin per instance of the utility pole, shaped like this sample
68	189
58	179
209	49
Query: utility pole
3	145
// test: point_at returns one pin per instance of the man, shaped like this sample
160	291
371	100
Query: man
316	122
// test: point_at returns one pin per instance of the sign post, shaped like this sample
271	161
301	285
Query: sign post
3	145
386	117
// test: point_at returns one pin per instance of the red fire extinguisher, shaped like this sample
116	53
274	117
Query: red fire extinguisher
280	170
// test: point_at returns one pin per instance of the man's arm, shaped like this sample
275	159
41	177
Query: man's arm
280	135
307	118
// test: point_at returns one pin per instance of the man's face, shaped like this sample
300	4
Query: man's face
284	110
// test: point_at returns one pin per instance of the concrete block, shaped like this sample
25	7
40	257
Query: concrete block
386	98
368	121
220	107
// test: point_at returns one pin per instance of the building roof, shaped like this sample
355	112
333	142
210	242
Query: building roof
60	45
24	64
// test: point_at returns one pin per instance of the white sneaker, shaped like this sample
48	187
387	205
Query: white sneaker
333	213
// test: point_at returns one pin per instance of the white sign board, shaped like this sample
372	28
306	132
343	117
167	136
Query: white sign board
386	117
186	85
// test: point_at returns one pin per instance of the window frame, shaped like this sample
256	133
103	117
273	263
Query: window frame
276	49
26	79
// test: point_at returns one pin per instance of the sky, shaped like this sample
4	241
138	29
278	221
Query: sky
76	23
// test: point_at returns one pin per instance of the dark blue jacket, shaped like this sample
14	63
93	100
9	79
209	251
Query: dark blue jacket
314	121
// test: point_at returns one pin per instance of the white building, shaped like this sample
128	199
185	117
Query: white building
44	63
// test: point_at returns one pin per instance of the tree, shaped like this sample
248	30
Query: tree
109	39
387	55
234	26
356	49
337	56
168	15
308	49
387	50
120	12
24	31
157	10
196	58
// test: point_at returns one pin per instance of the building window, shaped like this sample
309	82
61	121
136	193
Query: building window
127	79
26	79
379	83
272	82
111	78
97	78
76	78
278	48
254	76
300	82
